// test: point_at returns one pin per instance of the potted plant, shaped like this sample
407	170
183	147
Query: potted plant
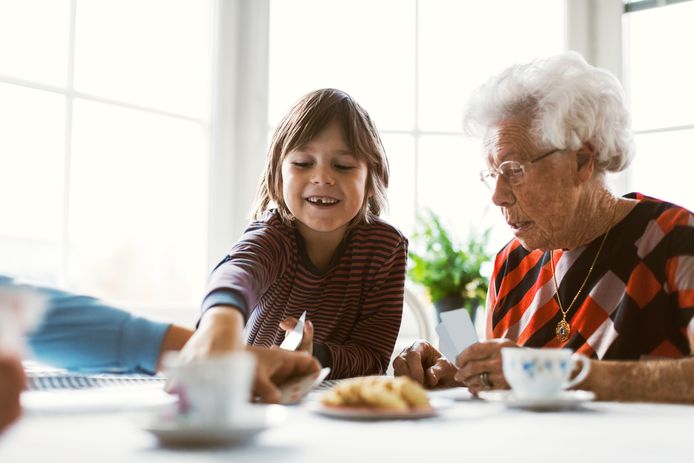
449	270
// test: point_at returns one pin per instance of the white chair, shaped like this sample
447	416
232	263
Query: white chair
421	312
417	323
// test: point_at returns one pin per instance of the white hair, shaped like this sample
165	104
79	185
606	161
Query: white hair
570	101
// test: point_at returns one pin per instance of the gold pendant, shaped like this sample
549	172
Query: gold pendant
563	330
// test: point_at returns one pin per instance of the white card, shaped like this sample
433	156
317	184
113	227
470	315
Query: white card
293	390
293	339
456	332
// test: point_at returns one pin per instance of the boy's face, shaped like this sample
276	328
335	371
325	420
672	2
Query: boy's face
323	183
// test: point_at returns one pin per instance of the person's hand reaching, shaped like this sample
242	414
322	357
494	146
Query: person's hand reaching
220	330
276	366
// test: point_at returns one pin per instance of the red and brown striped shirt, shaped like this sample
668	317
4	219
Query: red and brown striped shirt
355	305
636	304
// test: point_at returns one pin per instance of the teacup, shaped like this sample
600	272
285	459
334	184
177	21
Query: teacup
213	391
542	373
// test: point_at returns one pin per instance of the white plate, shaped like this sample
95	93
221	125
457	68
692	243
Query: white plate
363	413
565	400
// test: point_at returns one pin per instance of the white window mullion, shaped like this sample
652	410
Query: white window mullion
239	118
67	149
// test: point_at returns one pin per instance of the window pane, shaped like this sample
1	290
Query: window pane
34	39
662	166
461	44
138	207
126	50
31	181
363	47
659	74
401	191
448	182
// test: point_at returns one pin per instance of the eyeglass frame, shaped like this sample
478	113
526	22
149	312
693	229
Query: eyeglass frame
487	173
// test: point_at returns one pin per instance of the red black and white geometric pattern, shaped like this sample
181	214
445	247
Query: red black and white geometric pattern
636	304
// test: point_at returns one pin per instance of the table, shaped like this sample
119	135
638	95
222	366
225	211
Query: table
468	431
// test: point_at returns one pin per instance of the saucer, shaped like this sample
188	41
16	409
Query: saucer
565	400
175	434
174	430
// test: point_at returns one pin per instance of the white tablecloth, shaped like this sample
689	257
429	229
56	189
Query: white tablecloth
468	431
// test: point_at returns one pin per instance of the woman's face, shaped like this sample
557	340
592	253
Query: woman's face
540	209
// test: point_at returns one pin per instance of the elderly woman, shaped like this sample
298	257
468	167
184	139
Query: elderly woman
610	277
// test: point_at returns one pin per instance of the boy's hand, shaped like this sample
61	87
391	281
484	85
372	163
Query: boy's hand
306	345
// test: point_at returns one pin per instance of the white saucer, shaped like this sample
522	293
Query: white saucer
179	430
176	434
564	401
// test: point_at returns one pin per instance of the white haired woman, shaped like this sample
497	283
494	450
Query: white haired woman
610	277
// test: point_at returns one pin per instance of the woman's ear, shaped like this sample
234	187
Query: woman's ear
585	162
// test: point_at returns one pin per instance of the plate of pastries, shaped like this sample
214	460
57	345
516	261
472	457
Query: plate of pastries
376	397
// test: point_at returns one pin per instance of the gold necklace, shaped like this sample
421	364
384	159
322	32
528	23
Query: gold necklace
563	329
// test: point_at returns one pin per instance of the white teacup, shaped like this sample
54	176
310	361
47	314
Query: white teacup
213	391
542	373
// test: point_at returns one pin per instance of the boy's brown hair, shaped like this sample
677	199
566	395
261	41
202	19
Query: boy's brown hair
304	121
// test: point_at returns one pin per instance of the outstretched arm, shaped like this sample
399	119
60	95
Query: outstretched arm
86	334
644	381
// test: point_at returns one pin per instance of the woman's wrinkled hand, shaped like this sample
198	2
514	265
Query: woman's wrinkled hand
479	366
426	365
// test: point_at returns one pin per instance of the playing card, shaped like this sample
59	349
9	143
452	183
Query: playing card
293	390
456	332
294	337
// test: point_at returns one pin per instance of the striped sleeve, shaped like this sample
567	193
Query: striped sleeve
242	277
370	345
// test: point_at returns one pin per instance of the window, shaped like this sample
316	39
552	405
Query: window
104	153
413	76
658	76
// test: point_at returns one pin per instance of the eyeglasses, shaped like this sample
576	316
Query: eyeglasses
512	171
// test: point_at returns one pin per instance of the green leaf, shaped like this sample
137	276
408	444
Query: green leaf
444	266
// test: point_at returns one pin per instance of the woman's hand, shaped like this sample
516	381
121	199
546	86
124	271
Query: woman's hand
306	345
479	366
426	365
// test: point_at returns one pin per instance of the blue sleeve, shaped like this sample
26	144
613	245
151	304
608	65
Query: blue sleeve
85	334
